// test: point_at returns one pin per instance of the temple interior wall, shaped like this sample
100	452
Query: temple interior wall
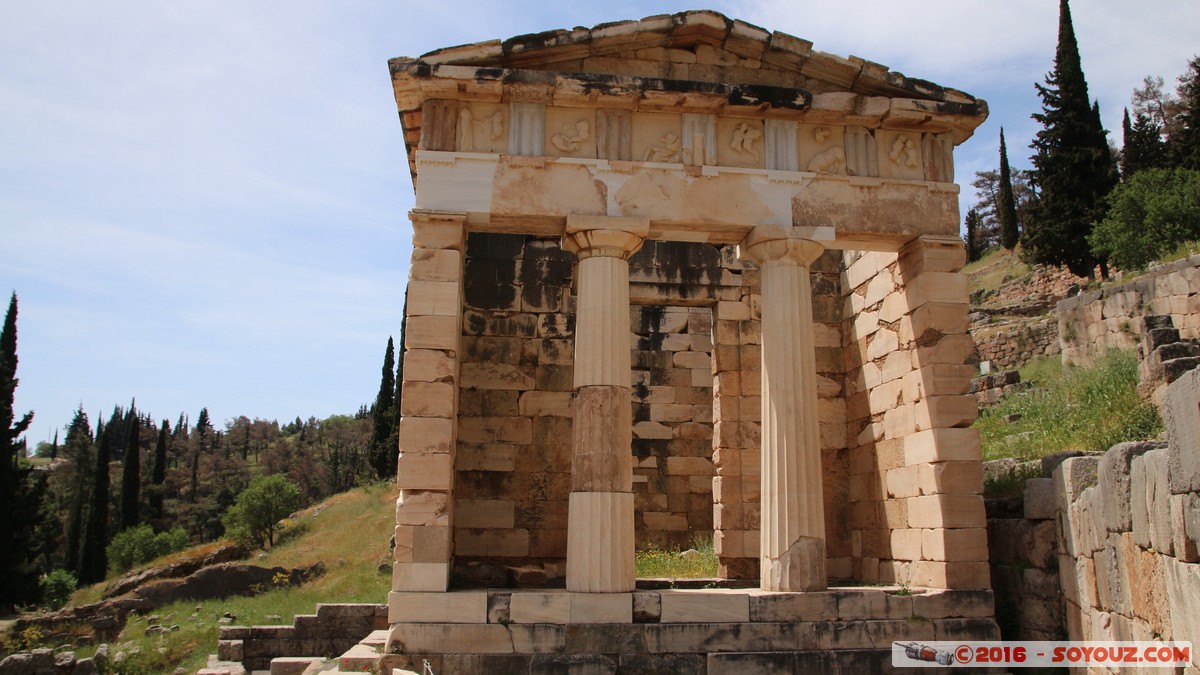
695	381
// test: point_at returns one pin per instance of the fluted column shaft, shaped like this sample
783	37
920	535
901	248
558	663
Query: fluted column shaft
792	547
600	517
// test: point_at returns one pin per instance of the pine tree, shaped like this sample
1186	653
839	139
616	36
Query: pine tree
1185	142
383	423
131	477
1007	207
93	561
1073	167
971	238
158	474
19	500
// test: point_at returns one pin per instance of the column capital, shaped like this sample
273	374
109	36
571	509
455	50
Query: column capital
778	245
606	236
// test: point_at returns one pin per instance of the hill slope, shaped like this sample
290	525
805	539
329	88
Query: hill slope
348	532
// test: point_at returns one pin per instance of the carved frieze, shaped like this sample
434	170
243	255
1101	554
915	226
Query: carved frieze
899	154
656	138
822	149
741	142
481	128
570	132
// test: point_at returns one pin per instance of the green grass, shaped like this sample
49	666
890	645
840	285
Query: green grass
1184	250
994	268
344	534
656	563
1072	408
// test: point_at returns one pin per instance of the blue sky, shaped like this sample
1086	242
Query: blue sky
202	203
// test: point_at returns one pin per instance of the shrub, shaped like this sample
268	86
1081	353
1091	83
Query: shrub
57	588
1152	213
137	545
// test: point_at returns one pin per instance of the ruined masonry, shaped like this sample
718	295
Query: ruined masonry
672	279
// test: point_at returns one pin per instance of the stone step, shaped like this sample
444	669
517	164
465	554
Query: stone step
294	665
359	658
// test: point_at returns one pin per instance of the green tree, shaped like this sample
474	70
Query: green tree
1185	141
1143	146
1149	214
158	473
1007	203
971	238
383	415
254	519
78	448
20	495
93	562
131	476
1073	166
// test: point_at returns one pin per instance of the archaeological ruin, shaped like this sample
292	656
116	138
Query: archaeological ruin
676	279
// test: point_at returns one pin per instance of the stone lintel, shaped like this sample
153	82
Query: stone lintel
717	205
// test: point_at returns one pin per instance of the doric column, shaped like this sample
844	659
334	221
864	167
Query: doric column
600	516
792	552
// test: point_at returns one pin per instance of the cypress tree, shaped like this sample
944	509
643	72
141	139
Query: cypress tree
1073	168
1007	206
972	223
93	562
131	476
383	423
78	447
17	501
1185	141
158	474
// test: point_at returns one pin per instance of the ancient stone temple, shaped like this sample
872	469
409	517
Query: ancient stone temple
675	279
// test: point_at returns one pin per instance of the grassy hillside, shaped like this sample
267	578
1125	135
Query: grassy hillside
997	267
348	532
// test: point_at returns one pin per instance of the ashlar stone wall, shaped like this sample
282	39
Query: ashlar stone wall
913	508
1129	531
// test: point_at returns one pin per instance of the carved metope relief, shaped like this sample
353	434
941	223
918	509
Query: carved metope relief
939	157
900	155
780	145
526	128
861	158
827	151
480	128
740	142
614	134
656	138
699	139
570	132
439	122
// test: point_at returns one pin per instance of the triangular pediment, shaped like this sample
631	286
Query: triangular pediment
697	46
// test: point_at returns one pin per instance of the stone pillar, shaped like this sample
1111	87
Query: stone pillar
792	550
600	517
429	409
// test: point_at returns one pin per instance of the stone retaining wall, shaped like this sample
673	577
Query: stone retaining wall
1124	540
334	629
1090	324
1016	343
